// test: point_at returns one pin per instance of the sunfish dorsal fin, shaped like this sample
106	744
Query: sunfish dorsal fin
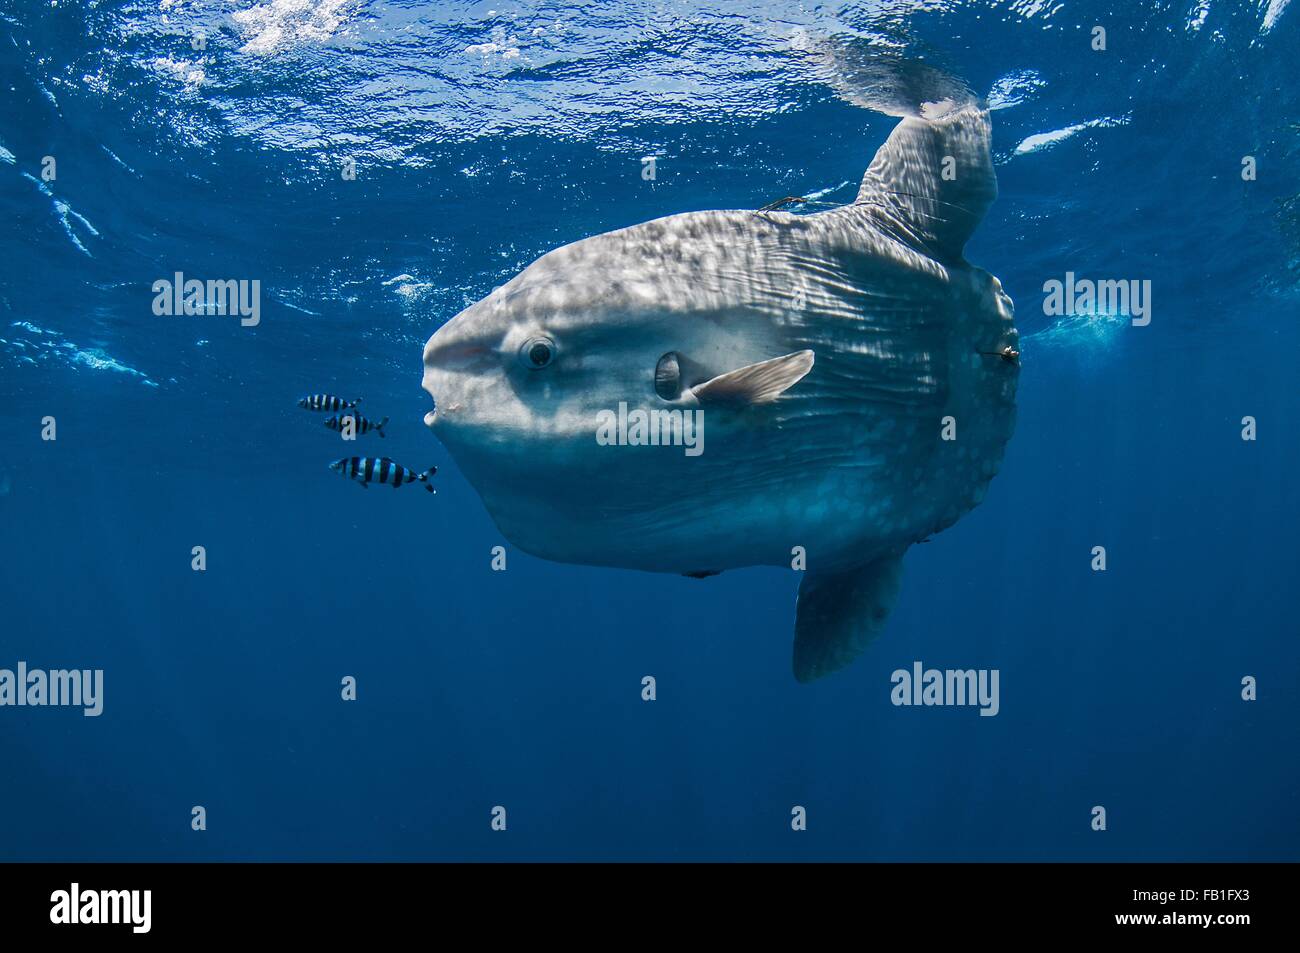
838	614
934	178
756	383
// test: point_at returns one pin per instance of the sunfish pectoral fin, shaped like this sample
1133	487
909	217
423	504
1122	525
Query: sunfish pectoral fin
934	178
756	383
838	614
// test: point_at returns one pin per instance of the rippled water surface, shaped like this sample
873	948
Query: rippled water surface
213	138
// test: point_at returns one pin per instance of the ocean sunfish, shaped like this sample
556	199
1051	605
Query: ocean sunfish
854	375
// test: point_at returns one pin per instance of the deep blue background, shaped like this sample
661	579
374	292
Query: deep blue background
522	688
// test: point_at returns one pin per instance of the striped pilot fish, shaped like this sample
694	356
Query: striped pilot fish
359	424
327	402
367	470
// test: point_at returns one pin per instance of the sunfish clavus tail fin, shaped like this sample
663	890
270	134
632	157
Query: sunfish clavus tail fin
838	614
933	180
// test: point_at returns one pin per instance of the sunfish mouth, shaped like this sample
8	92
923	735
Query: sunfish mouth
440	413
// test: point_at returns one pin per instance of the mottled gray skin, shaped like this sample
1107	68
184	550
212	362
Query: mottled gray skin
847	463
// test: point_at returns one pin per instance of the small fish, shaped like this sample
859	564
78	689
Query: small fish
367	470
327	402
359	424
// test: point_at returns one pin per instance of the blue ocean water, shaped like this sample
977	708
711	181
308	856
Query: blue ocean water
211	139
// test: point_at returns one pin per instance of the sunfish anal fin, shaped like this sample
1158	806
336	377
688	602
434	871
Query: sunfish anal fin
838	614
756	383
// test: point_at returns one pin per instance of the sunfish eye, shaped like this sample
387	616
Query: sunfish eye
537	353
668	377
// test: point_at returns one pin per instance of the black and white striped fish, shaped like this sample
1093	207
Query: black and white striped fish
367	470
327	402
359	424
